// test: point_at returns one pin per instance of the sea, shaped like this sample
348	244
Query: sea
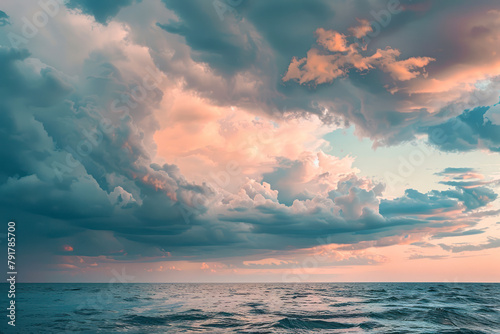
257	308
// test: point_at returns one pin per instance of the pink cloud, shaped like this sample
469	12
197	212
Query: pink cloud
332	40
68	248
401	70
230	140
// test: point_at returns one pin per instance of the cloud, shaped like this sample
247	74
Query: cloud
402	239
332	41
469	131
457	233
423	244
75	170
382	90
101	10
142	209
121	172
323	67
444	202
458	248
226	48
268	263
4	19
453	170
431	257
320	257
461	174
355	206
362	30
309	175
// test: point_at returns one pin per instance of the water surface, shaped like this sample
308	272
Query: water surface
258	308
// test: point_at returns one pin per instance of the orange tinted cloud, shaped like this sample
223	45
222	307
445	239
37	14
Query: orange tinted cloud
322	67
332	40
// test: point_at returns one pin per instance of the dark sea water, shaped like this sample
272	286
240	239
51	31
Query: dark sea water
257	308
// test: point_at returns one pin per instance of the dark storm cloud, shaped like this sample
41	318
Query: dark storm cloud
212	38
101	10
281	30
288	26
48	178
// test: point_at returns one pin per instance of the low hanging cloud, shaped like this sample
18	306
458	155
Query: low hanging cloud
458	248
430	257
457	233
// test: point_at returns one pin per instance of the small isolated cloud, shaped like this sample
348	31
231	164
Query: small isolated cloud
456	171
423	244
430	257
67	248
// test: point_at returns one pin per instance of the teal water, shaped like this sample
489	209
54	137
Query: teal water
257	308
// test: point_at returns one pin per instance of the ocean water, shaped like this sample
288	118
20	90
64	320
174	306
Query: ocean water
257	308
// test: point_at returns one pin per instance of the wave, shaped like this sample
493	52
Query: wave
294	323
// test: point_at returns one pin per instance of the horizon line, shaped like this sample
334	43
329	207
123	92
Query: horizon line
353	282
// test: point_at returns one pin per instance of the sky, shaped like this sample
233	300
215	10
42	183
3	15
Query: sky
251	141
